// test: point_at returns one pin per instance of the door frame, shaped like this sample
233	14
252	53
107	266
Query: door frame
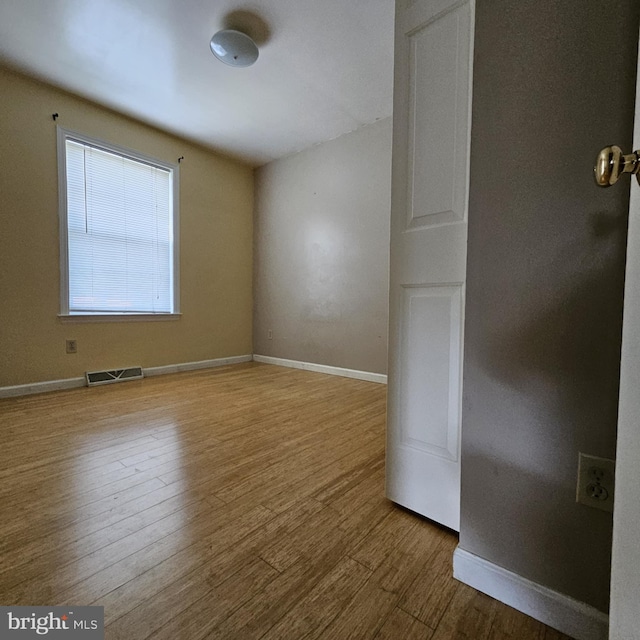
624	621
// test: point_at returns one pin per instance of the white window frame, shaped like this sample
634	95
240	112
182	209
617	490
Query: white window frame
65	315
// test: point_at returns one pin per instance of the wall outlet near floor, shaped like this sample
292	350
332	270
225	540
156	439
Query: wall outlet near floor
72	346
269	335
595	482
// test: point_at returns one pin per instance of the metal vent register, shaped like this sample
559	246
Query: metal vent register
115	375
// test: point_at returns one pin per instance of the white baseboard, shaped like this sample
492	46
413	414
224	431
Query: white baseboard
70	383
41	387
192	366
572	617
323	368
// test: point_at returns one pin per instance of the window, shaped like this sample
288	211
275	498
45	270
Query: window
118	230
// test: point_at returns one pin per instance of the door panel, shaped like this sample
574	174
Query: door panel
438	61
429	382
428	255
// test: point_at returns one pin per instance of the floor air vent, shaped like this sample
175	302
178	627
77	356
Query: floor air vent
116	375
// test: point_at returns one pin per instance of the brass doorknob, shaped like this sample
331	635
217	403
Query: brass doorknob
611	163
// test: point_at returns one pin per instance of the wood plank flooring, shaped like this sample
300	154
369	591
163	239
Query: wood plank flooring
245	502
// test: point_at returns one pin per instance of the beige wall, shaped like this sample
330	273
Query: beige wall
322	252
216	203
545	279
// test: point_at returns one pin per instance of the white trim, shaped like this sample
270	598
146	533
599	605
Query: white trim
41	387
572	617
71	383
323	368
78	318
63	234
625	556
191	366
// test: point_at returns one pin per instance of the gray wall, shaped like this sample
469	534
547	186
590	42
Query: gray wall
553	82
321	262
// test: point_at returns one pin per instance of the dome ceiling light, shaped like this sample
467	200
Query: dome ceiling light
234	48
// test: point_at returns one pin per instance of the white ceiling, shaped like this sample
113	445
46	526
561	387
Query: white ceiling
325	66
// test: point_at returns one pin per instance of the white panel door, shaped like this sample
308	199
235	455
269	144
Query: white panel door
624	617
428	255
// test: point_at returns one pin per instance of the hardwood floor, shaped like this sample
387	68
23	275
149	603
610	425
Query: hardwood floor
237	503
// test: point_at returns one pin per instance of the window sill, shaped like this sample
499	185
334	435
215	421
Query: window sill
118	317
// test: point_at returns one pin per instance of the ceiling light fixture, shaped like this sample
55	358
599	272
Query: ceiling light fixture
234	48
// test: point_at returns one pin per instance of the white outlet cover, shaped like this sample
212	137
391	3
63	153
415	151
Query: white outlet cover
596	482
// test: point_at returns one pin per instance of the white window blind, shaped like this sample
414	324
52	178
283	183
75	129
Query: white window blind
120	240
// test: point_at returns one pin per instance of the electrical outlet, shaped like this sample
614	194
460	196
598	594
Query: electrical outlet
269	335
72	346
595	482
